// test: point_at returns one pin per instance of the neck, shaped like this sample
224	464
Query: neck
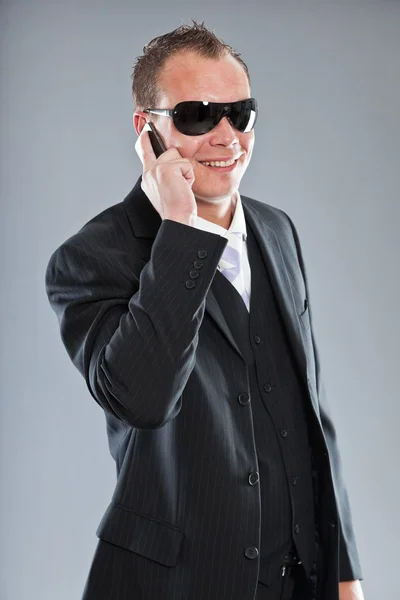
220	215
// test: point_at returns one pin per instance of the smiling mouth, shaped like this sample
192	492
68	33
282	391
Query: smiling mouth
221	169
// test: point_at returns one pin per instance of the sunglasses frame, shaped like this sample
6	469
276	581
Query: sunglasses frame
226	109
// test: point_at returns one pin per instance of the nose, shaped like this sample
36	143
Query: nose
225	128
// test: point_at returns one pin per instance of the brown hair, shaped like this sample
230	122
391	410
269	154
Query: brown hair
145	88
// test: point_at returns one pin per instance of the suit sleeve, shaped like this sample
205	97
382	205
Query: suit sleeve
133	336
349	562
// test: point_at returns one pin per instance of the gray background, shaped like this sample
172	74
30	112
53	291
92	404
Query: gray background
326	76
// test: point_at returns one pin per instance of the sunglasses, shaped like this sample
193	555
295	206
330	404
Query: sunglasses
197	117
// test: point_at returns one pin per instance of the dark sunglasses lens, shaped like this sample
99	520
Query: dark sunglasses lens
196	118
244	114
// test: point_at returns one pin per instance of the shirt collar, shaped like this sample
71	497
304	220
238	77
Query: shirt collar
238	223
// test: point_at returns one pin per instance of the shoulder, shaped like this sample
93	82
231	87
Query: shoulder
109	227
270	215
104	243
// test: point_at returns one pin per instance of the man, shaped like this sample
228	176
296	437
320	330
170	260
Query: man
186	309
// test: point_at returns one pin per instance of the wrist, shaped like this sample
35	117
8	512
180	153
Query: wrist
188	219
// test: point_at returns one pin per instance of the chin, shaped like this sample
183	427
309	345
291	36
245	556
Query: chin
206	192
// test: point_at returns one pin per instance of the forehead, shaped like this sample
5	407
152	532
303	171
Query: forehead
187	76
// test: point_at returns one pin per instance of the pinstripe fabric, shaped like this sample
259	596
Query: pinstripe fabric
139	319
284	470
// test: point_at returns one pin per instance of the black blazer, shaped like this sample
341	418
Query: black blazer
159	358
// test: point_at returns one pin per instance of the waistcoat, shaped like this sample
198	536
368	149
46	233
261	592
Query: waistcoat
277	394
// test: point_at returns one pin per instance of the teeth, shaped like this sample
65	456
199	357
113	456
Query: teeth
219	163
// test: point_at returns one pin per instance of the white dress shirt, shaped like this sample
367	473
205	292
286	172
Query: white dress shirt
238	224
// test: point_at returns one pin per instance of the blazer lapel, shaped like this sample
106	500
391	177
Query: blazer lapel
274	262
273	258
213	309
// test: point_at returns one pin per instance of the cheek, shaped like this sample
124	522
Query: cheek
187	148
247	141
248	146
194	147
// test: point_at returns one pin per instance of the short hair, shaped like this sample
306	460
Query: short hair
146	91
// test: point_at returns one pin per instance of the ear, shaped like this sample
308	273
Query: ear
139	142
139	121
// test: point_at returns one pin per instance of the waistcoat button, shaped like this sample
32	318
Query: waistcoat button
244	398
253	478
251	552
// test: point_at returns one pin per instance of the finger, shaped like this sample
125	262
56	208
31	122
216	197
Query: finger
144	148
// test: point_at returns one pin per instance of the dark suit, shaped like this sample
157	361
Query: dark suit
139	317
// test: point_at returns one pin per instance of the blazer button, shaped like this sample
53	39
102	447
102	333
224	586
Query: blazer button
202	253
267	387
253	478
193	274
251	552
198	264
243	398
190	284
283	433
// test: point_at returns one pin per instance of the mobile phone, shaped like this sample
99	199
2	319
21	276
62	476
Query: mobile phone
156	141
